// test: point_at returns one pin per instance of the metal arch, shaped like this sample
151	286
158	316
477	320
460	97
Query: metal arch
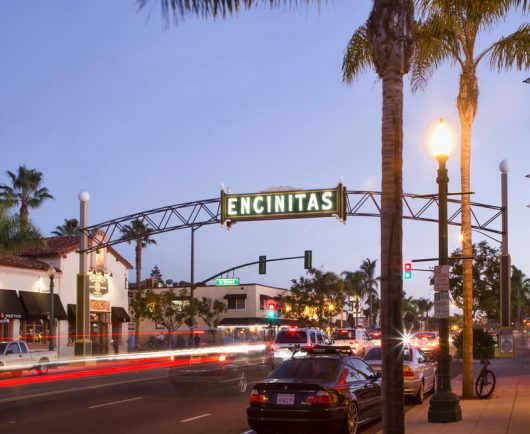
358	203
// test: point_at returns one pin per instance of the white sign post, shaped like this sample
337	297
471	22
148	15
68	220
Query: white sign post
441	278
441	305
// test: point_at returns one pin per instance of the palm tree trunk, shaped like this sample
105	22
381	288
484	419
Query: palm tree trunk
391	252
24	213
138	252
370	319
467	106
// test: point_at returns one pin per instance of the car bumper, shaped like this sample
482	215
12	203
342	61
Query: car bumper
320	420
411	386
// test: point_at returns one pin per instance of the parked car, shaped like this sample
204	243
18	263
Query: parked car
357	338
296	339
329	390
15	357
419	371
428	342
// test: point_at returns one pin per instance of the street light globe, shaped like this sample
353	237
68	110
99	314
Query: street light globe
441	139
84	196
51	272
504	167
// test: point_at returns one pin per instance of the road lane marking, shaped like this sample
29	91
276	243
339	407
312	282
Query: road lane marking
196	417
79	389
116	402
248	432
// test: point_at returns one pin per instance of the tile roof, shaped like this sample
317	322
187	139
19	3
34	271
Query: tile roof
22	262
58	246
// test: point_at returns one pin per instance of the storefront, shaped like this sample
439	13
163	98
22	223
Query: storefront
11	313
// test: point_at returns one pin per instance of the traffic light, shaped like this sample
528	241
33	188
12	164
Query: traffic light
408	270
262	265
271	310
308	259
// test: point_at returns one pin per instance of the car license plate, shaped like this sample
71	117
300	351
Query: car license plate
285	399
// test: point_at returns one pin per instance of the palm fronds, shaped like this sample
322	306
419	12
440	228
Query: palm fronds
357	57
512	50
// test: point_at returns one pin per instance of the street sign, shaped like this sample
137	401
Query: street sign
441	278
506	346
441	305
272	205
227	282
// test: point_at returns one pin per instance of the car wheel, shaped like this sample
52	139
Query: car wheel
418	399
352	419
42	368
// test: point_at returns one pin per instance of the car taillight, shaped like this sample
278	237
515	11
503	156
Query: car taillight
309	346
223	358
408	372
172	358
321	398
258	398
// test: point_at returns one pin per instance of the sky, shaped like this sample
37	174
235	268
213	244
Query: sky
98	96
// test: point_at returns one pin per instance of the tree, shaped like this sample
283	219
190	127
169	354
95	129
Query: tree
386	43
26	191
141	234
15	235
369	284
139	306
157	274
520	286
449	30
210	311
411	313
424	306
70	227
168	309
353	285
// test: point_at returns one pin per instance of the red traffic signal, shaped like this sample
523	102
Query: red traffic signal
408	266
271	305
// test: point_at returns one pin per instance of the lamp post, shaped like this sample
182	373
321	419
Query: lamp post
51	275
444	405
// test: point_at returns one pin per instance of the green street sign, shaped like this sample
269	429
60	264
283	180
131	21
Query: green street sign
272	205
227	282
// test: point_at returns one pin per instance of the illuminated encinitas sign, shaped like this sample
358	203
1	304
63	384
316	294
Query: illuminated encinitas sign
284	204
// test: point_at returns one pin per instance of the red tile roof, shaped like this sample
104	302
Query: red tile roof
22	262
58	246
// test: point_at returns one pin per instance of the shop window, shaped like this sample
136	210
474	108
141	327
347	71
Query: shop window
237	303
34	331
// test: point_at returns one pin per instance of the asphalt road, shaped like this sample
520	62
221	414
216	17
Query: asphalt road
139	399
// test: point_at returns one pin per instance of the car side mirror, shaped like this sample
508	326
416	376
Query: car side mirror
377	375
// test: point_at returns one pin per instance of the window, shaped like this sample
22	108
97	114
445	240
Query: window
313	368
237	303
291	337
13	349
320	340
363	370
374	354
351	375
34	331
313	339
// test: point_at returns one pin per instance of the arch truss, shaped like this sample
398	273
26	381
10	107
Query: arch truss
486	219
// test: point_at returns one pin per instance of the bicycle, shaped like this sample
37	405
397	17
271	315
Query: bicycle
485	382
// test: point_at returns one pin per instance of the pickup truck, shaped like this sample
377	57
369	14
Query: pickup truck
356	338
15	357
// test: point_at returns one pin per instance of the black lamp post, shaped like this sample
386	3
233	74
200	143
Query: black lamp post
51	275
444	404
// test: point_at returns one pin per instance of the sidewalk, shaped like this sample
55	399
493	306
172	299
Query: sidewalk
507	411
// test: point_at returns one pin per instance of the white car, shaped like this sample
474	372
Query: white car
294	339
419	372
15	357
356	338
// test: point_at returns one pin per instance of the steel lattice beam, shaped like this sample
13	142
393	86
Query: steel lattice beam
358	203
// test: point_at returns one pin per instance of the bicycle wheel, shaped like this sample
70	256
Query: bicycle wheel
485	384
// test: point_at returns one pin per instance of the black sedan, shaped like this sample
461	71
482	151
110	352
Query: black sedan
328	390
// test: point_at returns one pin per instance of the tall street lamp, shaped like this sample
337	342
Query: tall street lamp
444	404
51	275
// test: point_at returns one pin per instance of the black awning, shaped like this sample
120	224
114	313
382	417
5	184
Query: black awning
71	312
10	306
119	314
227	296
37	305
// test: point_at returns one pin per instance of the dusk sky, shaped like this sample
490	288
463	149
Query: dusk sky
98	96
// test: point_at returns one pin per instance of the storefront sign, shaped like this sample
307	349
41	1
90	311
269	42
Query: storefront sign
7	316
99	285
272	205
99	306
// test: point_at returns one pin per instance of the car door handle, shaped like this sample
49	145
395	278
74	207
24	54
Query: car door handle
20	355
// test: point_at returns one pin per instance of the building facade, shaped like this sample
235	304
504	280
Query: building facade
25	296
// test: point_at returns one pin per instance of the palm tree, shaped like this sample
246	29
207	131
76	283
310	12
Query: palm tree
449	30
353	286
70	227
390	48
520	286
425	305
370	284
386	43
25	190
137	231
14	235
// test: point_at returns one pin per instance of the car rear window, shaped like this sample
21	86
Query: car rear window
291	337
376	354
343	335
313	368
429	336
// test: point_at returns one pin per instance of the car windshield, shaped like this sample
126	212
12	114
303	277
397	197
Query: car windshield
2	347
313	368
376	354
291	337
343	335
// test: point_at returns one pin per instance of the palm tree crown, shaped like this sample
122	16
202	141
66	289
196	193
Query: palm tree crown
69	227
25	190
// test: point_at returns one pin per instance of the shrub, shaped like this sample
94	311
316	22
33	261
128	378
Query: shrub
483	344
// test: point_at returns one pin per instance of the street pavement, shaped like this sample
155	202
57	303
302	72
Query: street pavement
506	411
